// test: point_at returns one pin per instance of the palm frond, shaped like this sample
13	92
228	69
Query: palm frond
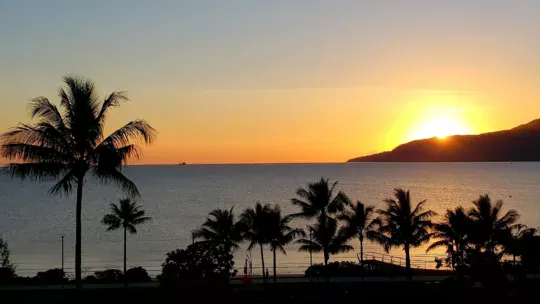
115	176
43	108
34	153
36	171
112	221
438	244
42	134
135	130
112	101
141	220
307	245
65	185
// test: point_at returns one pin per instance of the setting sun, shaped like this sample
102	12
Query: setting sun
440	127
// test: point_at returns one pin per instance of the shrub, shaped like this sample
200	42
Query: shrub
199	263
486	268
7	275
51	276
531	254
137	274
340	269
108	276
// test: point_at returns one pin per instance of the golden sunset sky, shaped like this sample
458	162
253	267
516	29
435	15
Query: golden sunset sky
281	81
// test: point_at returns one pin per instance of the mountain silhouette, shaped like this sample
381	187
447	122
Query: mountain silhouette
521	143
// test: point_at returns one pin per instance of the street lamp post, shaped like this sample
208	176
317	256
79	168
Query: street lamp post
63	273
310	251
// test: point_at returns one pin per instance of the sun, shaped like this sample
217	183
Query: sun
440	127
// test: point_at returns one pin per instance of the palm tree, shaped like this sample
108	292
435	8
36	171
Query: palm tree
126	215
67	143
318	200
326	238
489	226
359	223
257	228
514	241
281	233
453	234
221	228
399	225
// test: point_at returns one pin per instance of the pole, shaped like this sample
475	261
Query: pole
63	274
310	252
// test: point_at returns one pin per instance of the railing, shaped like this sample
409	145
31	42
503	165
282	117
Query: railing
426	261
296	267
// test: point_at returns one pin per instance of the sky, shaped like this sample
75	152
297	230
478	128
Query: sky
281	81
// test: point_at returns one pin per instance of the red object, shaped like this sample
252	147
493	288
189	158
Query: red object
248	280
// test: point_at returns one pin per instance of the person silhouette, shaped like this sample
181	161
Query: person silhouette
267	275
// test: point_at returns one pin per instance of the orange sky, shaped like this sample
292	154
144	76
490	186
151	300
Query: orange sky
258	83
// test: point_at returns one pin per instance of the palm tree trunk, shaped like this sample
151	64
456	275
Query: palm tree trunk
125	258
78	232
408	272
262	263
362	259
326	271
326	257
515	268
361	252
275	276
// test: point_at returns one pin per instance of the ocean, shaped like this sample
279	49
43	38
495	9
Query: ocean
178	199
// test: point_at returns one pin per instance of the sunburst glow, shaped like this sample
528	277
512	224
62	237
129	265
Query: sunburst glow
440	127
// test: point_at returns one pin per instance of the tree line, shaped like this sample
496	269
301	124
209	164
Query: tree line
482	232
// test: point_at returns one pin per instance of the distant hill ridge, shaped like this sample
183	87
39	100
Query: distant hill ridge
521	143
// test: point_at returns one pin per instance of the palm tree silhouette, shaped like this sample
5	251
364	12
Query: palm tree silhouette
453	234
399	225
360	223
489	227
326	238
318	200
257	228
514	242
221	228
281	233
126	215
66	145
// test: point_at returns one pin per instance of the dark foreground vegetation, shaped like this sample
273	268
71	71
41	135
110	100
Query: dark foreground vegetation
291	293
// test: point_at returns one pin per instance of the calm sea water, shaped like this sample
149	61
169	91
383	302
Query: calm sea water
179	197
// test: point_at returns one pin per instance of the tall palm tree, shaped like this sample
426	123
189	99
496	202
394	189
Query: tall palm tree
326	238
318	200
360	223
257	228
453	234
401	225
514	241
127	215
67	143
221	228
281	233
489	226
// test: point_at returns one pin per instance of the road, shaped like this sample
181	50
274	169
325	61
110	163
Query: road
236	281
